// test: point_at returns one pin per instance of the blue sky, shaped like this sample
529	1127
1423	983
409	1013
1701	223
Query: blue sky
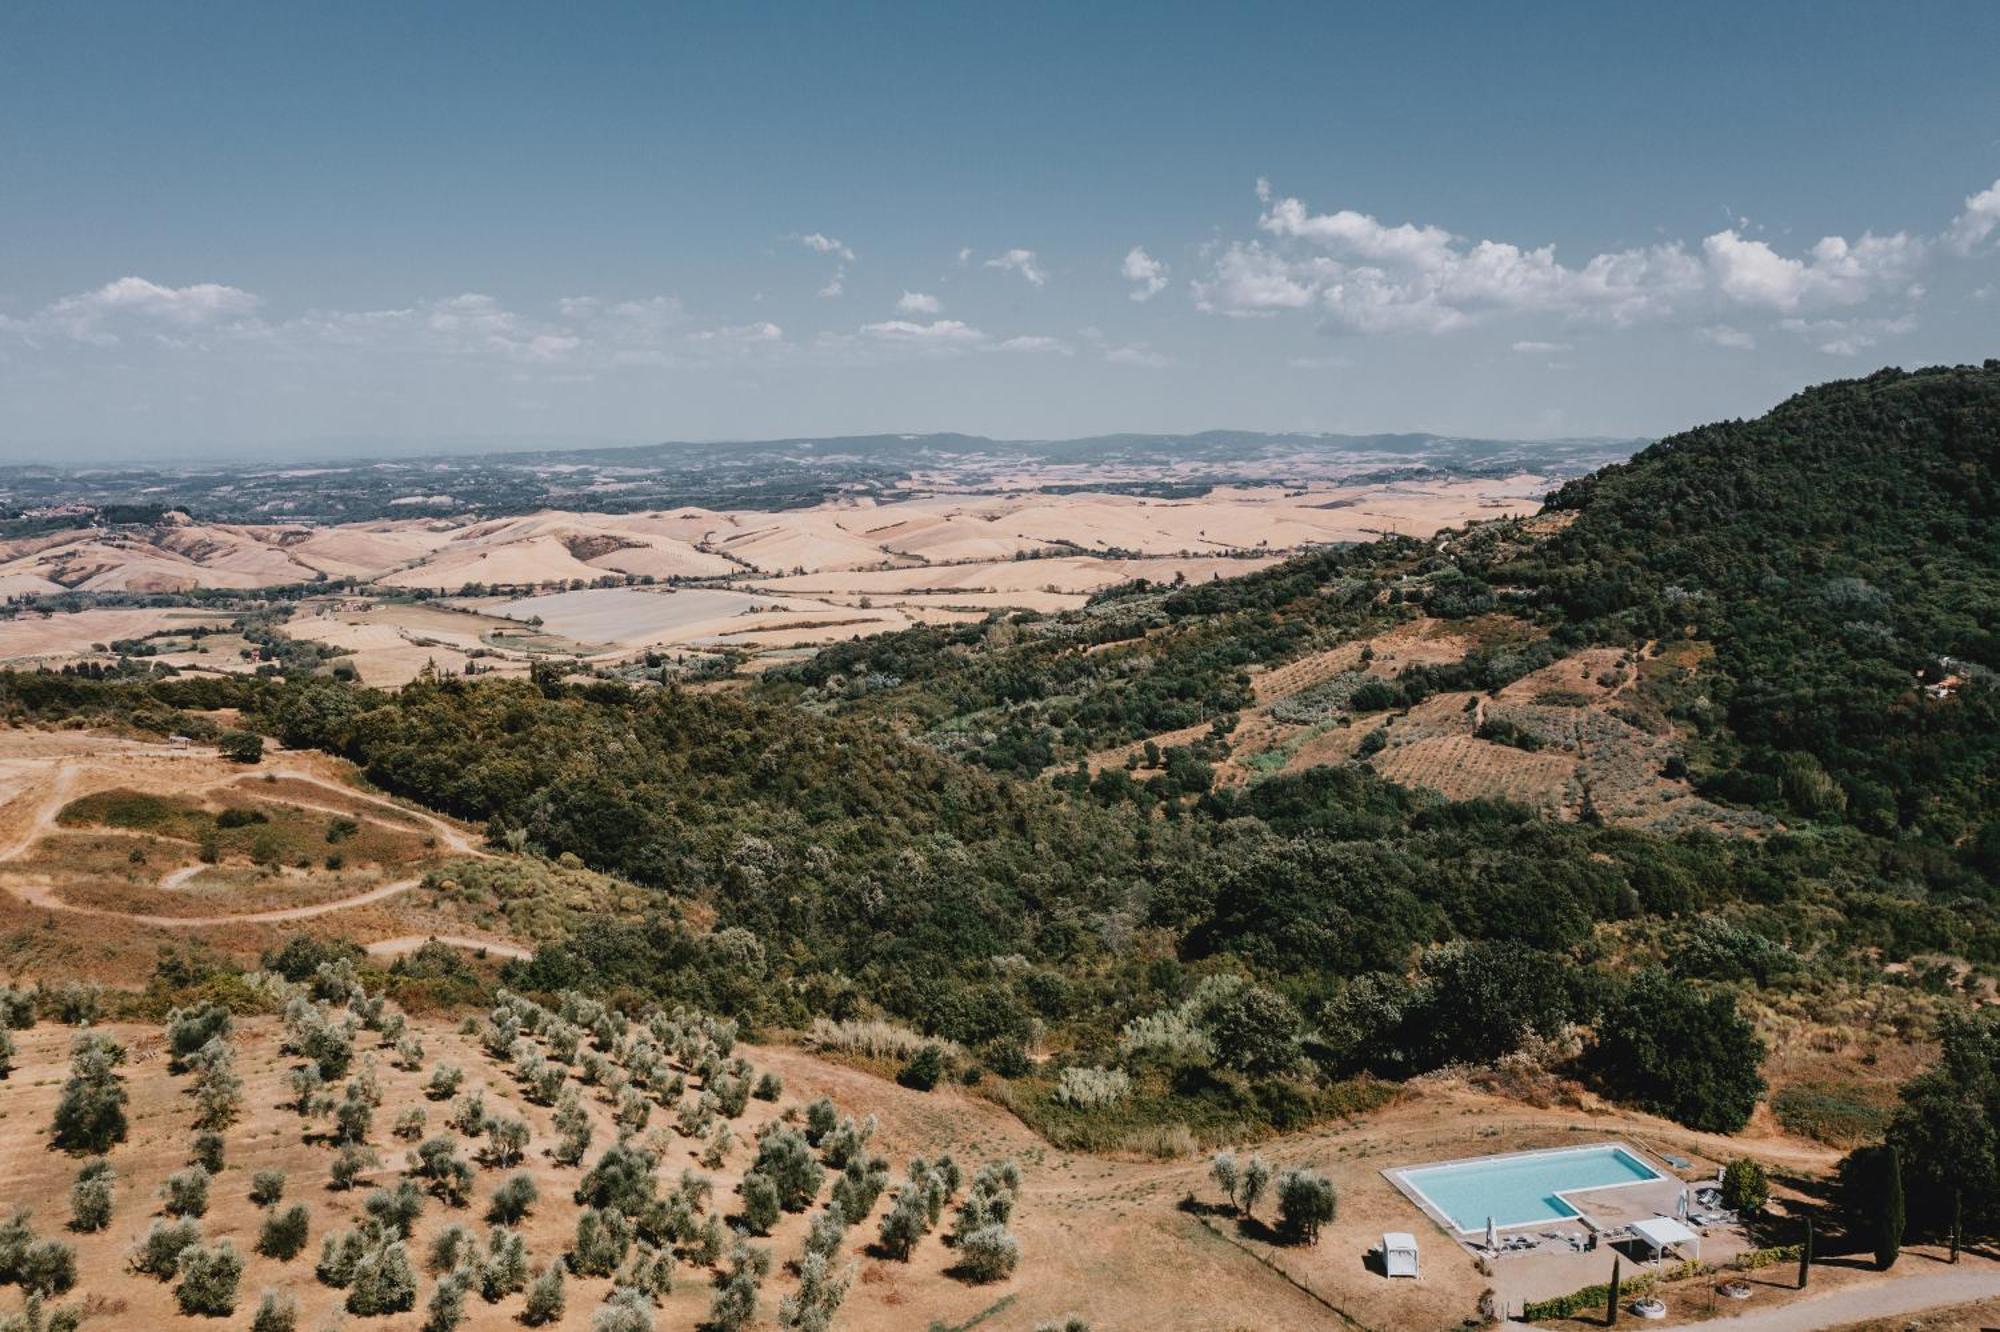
250	229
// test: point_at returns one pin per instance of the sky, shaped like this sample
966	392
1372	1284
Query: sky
252	230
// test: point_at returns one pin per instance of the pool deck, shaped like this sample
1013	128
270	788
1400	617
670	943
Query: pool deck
1553	1266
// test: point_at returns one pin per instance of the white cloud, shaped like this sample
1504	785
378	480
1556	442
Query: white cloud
835	286
939	332
1849	337
919	302
1724	335
1144	269
1981	216
1365	275
1836	272
133	304
1138	355
823	244
1022	262
1531	347
1034	343
761	331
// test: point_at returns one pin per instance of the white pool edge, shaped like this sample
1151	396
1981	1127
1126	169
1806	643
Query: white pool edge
1399	1177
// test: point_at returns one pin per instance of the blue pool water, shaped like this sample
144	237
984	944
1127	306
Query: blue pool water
1521	1190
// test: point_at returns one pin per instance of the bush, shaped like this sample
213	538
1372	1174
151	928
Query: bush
276	1312
384	1282
513	1199
350	1163
267	1187
92	1196
603	1238
625	1310
924	1070
186	1192
47	1267
761	1208
1306	1202
159	1253
784	1158
90	1116
240	746
545	1298
284	1234
209	1279
1092	1088
446	1309
207	1151
988	1254
1744	1186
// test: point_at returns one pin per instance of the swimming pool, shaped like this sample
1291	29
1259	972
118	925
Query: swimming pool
1523	1189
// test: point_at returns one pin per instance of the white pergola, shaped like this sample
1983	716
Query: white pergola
1663	1232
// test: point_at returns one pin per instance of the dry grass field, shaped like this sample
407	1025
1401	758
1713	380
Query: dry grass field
842	568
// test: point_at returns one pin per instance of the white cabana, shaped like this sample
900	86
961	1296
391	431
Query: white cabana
1663	1232
1399	1254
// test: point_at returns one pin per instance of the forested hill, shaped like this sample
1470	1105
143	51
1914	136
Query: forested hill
1837	555
1838	552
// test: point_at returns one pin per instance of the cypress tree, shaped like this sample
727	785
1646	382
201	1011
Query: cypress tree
1889	1215
1806	1255
1611	1299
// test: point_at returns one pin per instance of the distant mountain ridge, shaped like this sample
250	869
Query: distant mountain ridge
780	473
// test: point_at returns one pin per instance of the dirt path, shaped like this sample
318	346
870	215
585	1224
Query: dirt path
404	944
53	795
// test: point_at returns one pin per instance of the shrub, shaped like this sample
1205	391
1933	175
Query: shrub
924	1070
769	1087
384	1282
761	1208
159	1253
785	1159
90	1115
1745	1188
504	1269
209	1277
189	1029
284	1234
988	1254
906	1222
207	1152
350	1163
47	1267
626	1310
92	1196
186	1192
267	1187
603	1238
448	1174
545	1298
240	746
276	1312
446	1309
1093	1088
1306	1202
395	1211
513	1199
